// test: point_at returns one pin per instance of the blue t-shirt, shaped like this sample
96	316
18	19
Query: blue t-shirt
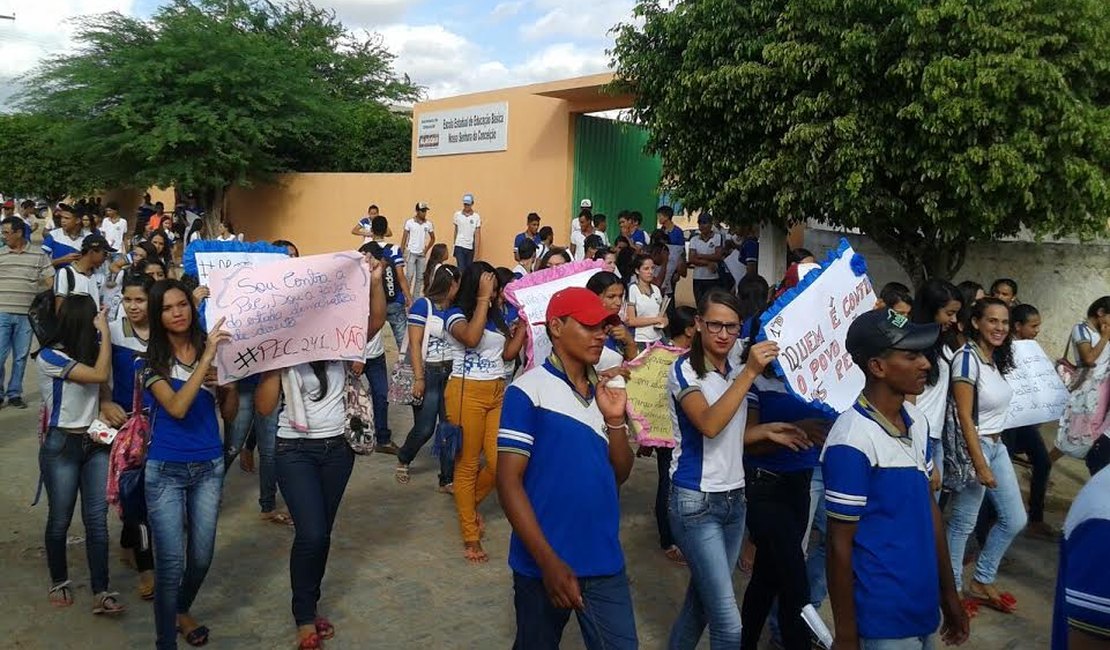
126	348
878	478
394	255
1083	578
675	237
776	404
522	237
638	237
58	244
191	439
569	479
749	251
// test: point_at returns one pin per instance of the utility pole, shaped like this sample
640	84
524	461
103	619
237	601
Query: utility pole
5	17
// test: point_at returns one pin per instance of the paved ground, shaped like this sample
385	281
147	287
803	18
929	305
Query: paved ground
396	578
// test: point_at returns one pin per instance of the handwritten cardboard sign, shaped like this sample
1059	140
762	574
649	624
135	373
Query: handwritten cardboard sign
289	312
531	294
647	395
202	257
1039	395
810	323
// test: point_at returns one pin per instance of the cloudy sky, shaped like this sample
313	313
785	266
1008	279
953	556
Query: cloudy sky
447	46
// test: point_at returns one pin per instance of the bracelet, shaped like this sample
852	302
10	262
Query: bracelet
622	426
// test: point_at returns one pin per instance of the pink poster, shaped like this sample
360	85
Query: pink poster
290	311
531	294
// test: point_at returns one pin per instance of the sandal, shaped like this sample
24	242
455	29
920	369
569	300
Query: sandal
61	595
146	586
971	607
195	637
675	555
310	642
277	517
107	604
324	628
446	489
246	461
474	553
1004	602
401	473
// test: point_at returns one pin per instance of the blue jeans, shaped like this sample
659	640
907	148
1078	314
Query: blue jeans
15	339
72	462
607	620
378	377
815	559
265	435
183	504
313	475
425	417
708	528
1006	498
398	321
464	257
910	643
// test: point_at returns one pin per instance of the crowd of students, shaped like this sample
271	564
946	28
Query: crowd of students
757	477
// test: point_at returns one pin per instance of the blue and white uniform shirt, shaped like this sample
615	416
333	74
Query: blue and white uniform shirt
71	405
1083	579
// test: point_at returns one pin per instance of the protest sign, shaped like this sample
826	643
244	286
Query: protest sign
531	294
202	257
810	323
1039	394
289	312
648	397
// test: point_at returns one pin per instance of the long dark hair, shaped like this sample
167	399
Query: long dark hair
436	257
439	283
75	334
167	248
552	252
752	290
467	297
931	298
968	290
1003	356
320	369
1102	304
682	318
159	349
715	296
602	280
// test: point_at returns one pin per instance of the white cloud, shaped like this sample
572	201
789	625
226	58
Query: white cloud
581	19
507	9
367	13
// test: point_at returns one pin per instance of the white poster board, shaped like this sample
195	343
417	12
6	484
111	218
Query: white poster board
1039	394
531	294
810	324
473	129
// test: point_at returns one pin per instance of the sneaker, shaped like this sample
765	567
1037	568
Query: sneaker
17	402
390	448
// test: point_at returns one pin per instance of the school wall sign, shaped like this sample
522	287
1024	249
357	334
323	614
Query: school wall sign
473	129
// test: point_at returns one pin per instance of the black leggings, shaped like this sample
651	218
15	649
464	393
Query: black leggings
1099	455
778	510
1028	441
662	496
135	535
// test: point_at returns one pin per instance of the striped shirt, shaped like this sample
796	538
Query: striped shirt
22	275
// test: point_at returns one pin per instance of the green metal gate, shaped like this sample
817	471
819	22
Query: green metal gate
612	170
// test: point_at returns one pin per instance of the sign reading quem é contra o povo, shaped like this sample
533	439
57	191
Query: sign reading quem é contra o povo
473	129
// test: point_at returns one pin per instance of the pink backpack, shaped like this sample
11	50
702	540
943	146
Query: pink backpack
129	448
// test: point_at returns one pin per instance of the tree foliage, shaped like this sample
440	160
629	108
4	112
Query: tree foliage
211	93
926	124
38	162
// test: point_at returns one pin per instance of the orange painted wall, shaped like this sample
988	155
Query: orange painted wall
317	211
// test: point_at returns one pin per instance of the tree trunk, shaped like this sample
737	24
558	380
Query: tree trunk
215	198
923	256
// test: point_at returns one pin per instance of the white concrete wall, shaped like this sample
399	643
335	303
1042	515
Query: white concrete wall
1060	280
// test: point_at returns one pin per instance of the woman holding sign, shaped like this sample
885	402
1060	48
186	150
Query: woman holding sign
982	399
481	343
185	461
708	410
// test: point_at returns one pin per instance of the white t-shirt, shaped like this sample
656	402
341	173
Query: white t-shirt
578	242
993	392
82	284
327	417
374	347
646	307
482	362
467	225
703	247
115	233
418	235
1083	333
934	401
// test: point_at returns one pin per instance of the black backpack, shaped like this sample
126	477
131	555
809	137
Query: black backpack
43	315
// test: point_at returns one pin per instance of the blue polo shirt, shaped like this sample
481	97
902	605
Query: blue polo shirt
126	360
193	438
878	478
522	237
1083	578
569	480
638	237
775	404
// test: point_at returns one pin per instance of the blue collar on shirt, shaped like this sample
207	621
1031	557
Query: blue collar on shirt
865	408
555	366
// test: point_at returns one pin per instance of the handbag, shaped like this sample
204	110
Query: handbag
403	377
959	471
358	428
127	461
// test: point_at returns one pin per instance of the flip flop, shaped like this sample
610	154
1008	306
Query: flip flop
196	637
1005	602
324	628
971	607
276	517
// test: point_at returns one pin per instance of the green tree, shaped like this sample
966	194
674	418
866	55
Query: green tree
212	93
37	161
926	124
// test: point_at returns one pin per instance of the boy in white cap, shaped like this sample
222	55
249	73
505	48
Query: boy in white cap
468	233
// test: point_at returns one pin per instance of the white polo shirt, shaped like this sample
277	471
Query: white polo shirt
467	225
701	463
994	394
115	233
703	247
418	235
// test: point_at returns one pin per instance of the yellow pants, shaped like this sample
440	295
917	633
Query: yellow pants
476	407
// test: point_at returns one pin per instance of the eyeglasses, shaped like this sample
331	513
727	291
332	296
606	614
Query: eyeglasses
715	327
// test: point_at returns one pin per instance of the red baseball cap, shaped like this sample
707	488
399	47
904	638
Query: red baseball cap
582	305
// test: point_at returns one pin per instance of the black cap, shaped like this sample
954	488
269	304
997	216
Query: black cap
97	241
880	330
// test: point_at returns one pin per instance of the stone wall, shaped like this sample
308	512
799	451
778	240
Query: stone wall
1060	280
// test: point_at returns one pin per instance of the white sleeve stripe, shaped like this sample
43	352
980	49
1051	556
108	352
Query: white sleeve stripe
845	497
852	504
515	435
1095	601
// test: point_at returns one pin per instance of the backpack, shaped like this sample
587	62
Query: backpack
127	460
43	315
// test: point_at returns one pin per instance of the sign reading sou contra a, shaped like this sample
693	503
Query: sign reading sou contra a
531	294
290	312
473	129
810	324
